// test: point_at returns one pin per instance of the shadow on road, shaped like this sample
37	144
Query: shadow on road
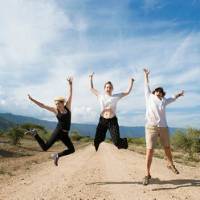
178	183
5	153
115	183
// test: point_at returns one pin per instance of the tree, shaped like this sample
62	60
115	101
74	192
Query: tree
16	134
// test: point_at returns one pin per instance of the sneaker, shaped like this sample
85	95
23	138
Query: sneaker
55	157
31	132
146	180
173	169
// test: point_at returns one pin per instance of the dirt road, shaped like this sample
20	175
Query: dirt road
109	174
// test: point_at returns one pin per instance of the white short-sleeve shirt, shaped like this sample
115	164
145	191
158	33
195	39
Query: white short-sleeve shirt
156	108
109	102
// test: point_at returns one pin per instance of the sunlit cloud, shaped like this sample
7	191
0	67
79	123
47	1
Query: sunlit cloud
43	42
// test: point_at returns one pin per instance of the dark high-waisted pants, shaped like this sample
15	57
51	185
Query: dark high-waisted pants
58	134
113	127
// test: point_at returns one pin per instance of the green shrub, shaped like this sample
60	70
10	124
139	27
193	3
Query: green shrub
108	140
137	141
75	136
1	133
187	141
16	134
86	139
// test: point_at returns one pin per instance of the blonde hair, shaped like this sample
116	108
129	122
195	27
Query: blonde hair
59	99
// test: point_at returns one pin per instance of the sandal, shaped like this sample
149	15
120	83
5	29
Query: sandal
146	180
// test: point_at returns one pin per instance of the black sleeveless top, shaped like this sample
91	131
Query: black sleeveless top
64	119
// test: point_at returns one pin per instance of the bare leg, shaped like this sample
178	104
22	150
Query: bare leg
168	154
170	164
149	156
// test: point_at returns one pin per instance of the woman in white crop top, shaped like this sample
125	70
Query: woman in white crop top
108	120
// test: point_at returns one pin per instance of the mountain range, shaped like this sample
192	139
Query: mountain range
8	120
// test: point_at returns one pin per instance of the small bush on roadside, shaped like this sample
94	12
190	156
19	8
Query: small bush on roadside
16	134
137	141
187	141
1	133
86	139
75	136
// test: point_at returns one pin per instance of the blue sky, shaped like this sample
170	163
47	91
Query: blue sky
42	42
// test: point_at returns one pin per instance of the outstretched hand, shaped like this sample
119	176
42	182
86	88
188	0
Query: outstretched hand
29	96
181	93
146	71
70	80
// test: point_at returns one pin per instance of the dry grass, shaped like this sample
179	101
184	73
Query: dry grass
15	159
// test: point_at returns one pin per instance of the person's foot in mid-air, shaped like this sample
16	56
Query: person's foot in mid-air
55	157
173	169
146	180
31	132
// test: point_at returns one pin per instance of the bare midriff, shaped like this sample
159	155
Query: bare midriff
107	113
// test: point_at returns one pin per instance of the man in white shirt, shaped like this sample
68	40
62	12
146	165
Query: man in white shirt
156	124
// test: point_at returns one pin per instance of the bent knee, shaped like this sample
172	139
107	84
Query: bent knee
45	149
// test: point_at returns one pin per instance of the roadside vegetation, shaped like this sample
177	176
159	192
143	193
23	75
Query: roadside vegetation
185	146
19	152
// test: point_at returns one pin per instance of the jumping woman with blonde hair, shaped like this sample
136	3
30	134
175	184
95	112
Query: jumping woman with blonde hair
62	110
108	119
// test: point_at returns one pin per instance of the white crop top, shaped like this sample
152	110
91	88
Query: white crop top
109	102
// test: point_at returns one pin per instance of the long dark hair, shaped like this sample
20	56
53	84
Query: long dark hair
159	89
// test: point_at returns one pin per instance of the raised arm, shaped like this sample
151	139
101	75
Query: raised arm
69	99
93	90
146	82
129	87
41	105
180	94
172	99
146	76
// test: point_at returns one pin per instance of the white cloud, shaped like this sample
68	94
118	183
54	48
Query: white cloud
42	43
26	27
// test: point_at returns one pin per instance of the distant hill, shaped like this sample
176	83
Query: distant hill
8	120
5	124
19	119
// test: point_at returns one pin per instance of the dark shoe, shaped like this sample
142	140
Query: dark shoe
125	141
31	132
146	180
123	144
55	157
173	169
96	146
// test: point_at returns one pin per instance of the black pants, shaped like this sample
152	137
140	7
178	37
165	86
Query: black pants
58	134
113	126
